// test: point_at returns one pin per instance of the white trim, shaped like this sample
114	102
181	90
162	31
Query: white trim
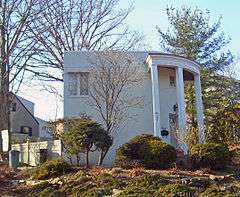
167	60
199	108
181	99
156	100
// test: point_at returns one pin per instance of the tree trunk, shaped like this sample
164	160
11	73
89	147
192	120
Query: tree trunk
4	86
4	104
87	158
70	159
1	148
78	159
102	156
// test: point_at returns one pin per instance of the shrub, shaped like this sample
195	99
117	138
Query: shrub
211	155
128	163
96	192
156	154
151	182
108	181
235	154
42	189
145	150
143	186
49	192
51	168
130	149
218	192
155	186
84	136
175	190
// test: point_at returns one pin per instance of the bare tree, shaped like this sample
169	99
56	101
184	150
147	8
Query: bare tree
111	78
76	25
15	52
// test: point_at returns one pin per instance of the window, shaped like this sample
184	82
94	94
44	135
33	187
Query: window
172	81
26	130
83	80
14	107
78	84
72	84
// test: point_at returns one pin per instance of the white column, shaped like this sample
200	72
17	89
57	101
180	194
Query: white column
199	108
180	99
156	100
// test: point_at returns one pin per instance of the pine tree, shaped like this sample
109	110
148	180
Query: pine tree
192	35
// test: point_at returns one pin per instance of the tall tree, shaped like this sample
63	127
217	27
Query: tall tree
15	52
76	25
193	36
222	99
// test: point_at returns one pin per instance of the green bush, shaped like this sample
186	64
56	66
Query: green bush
175	190
108	181
156	154
51	168
151	182
143	186
96	192
148	150
155	186
218	192
211	155
42	189
49	192
235	154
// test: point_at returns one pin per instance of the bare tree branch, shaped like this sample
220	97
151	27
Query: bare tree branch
112	75
16	50
77	25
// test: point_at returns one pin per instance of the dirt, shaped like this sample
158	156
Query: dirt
6	179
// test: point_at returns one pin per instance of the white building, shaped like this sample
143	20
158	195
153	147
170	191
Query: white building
163	92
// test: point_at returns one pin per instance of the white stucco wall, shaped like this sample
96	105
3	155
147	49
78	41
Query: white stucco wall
168	98
74	106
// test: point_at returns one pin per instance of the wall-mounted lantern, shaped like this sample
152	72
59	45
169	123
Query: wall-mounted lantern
164	132
175	107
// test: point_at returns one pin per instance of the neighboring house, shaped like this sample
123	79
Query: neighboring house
163	92
22	117
23	121
45	129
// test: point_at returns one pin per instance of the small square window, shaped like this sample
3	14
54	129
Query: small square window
78	83
72	84
172	81
83	80
26	130
14	107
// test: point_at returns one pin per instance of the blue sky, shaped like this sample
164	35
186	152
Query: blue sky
146	15
149	13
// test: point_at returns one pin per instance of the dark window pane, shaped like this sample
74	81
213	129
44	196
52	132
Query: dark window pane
14	107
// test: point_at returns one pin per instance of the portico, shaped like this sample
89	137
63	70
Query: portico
184	69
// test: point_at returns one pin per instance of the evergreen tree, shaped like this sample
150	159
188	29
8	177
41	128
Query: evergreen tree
192	35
